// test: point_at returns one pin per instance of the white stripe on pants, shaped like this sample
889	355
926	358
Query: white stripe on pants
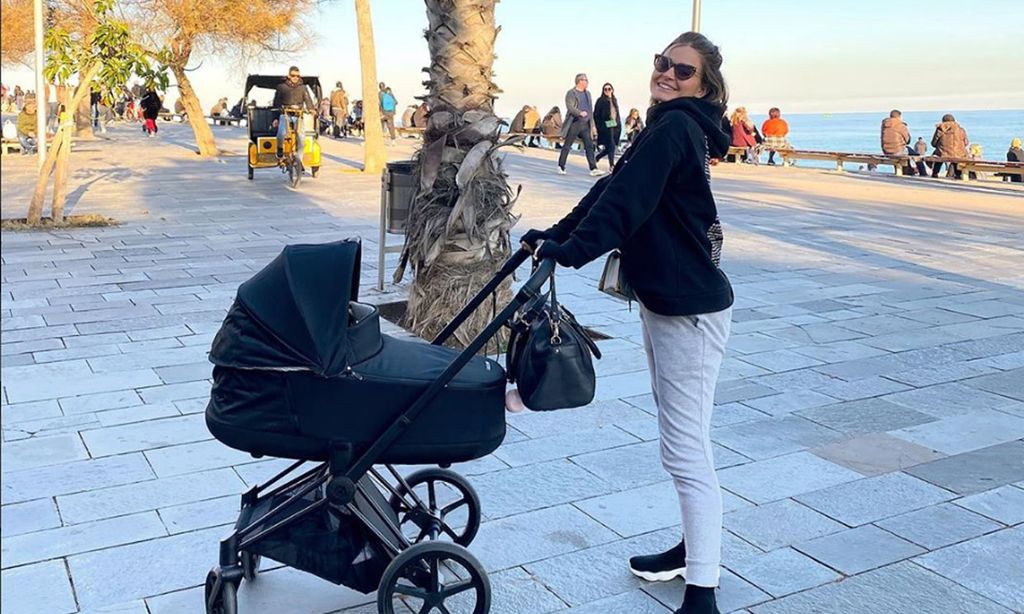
684	354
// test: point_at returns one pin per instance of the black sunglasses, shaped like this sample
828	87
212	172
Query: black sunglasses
607	89
663	63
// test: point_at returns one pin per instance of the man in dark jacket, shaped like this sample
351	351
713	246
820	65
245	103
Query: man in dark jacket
579	123
949	141
292	92
896	141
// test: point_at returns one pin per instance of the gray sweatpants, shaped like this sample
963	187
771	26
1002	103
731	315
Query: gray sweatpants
685	354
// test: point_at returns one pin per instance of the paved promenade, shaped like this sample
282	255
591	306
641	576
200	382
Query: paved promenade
869	429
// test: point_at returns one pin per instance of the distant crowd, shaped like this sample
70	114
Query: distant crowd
597	125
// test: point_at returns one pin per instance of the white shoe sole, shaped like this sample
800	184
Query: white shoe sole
660	576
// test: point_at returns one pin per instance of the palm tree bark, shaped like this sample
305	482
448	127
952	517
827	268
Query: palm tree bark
374	157
458	233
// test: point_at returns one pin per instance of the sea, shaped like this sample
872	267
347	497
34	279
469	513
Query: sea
860	132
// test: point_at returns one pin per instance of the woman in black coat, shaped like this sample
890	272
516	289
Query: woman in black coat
150	111
609	123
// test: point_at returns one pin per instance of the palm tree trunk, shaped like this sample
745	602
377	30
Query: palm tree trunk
458	233
373	135
204	135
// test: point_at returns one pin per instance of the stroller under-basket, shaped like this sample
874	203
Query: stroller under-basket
303	372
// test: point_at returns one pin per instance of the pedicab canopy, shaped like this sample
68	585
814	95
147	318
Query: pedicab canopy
294	314
270	82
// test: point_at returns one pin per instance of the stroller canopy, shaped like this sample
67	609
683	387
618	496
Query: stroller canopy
294	313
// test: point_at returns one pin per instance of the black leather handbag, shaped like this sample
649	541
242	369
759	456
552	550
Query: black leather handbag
549	356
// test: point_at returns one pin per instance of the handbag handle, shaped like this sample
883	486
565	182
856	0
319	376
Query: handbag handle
556	332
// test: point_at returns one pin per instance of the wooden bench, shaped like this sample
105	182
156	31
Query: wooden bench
966	166
536	135
10	146
410	131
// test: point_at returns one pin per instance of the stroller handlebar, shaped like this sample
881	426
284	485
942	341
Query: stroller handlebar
531	288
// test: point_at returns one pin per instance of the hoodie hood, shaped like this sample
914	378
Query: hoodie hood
891	122
947	126
707	115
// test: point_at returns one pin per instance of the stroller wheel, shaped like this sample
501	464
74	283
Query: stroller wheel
443	505
250	565
435	576
221	595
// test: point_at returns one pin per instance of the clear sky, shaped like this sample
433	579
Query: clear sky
801	55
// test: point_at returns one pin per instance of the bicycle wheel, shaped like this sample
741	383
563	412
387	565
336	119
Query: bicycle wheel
295	171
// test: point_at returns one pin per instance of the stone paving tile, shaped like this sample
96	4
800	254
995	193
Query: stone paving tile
72	384
626	466
278	590
74	477
876	453
781	404
959	434
939	525
771	437
149	495
990	565
27	517
75	539
534	536
1008	383
145	436
40	588
140	413
637	602
1005	504
100	401
870	499
783	476
558	446
947	400
902	588
603	571
781	360
780	523
193	457
636	511
519	592
975	471
24	412
740	390
864	388
865	416
858	550
523	489
42	451
222	511
784	571
734	413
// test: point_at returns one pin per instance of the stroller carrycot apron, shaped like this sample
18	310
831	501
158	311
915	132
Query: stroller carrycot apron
300	366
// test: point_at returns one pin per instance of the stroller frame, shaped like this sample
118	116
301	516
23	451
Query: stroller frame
346	480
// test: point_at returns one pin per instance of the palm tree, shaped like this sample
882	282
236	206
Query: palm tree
373	135
458	231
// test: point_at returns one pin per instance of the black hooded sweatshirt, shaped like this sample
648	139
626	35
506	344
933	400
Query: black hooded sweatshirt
657	207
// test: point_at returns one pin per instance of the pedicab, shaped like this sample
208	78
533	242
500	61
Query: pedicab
262	121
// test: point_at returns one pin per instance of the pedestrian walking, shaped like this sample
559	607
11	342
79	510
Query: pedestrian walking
609	124
949	141
658	209
776	133
634	124
150	104
388	106
339	111
579	124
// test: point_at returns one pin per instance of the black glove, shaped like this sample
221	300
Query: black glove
533	237
551	249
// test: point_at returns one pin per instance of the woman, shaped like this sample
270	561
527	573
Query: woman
609	124
657	207
551	126
1015	154
150	104
744	134
633	125
775	130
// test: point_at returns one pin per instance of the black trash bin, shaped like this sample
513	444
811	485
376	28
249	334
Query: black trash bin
400	190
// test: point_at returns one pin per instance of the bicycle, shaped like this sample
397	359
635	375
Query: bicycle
291	160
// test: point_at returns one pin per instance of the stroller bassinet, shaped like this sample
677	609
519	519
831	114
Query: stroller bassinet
302	367
302	371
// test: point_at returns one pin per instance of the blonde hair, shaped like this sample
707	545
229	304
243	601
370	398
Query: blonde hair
739	115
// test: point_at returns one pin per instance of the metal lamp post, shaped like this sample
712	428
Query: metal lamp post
696	16
42	103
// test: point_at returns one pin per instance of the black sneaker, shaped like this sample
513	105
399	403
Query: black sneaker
660	567
698	600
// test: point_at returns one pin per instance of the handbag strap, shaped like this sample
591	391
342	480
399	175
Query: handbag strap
555	314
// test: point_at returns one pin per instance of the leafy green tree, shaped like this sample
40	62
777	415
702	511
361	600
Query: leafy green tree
87	48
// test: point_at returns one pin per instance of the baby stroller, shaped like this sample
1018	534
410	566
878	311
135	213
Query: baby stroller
303	372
